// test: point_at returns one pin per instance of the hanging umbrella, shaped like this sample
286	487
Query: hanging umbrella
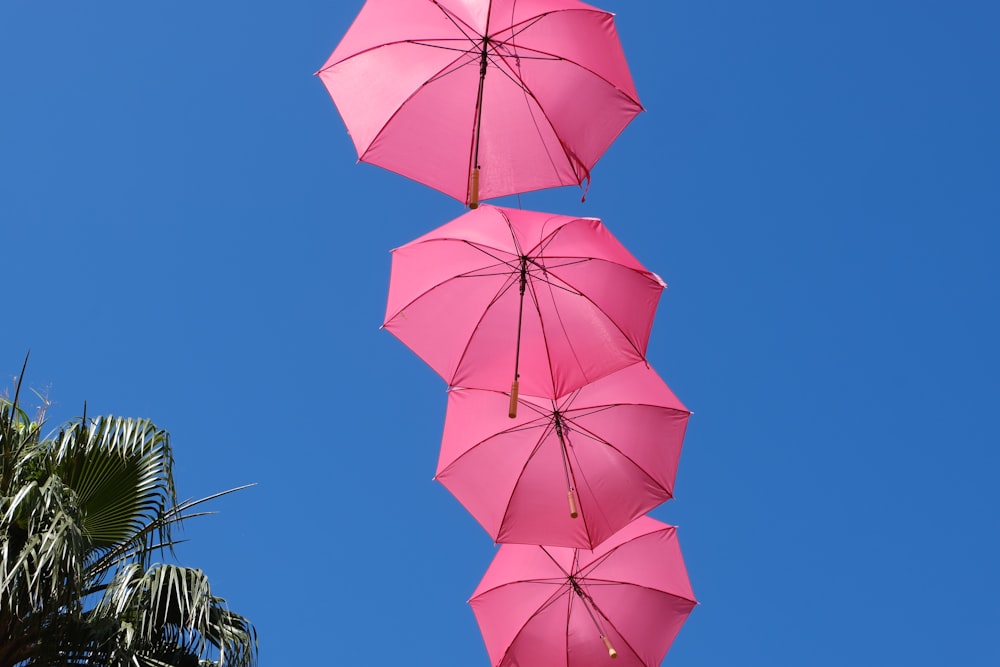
566	472
497	295
558	607
532	93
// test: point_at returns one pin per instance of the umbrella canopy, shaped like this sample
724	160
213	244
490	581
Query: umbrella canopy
552	302
532	91
567	472
558	607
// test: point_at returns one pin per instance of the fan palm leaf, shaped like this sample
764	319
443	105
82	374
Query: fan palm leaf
83	516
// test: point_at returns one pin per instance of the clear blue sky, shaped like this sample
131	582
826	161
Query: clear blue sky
185	235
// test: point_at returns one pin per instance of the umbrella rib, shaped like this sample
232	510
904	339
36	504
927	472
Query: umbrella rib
419	41
481	249
580	65
531	406
541	275
520	476
611	582
402	104
612	625
516	29
455	66
533	259
548	603
444	282
556	563
642	355
514	582
538	253
451	67
596	409
570	156
545	338
567	403
568	261
490	438
519	428
550	237
469	274
513	235
593	436
480	274
594	564
503	289
529	95
589	568
467	31
518	56
439	43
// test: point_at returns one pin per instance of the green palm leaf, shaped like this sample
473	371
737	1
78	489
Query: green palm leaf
81	517
122	473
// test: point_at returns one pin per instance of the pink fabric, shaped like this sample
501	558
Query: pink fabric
557	91
588	306
635	584
623	437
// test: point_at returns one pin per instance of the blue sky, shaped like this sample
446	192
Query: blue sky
185	236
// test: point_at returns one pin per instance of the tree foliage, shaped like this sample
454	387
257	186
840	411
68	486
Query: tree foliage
85	515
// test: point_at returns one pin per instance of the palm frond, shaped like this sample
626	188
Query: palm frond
47	568
122	473
173	606
143	543
82	513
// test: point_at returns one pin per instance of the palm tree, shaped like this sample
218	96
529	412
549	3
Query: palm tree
83	515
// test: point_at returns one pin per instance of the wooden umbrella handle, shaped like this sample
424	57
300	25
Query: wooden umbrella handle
474	188
572	505
512	412
611	649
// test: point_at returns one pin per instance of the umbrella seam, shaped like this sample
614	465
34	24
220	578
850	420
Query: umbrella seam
644	273
508	284
596	438
526	426
517	481
545	338
548	603
594	564
612	582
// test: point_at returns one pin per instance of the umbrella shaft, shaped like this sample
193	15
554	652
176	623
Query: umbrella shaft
565	458
479	101
587	602
520	318
473	198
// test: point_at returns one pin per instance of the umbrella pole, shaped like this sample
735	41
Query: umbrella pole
474	176
584	598
512	410
571	492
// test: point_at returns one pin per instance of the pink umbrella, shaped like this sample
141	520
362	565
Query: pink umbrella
568	472
533	92
558	607
499	290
